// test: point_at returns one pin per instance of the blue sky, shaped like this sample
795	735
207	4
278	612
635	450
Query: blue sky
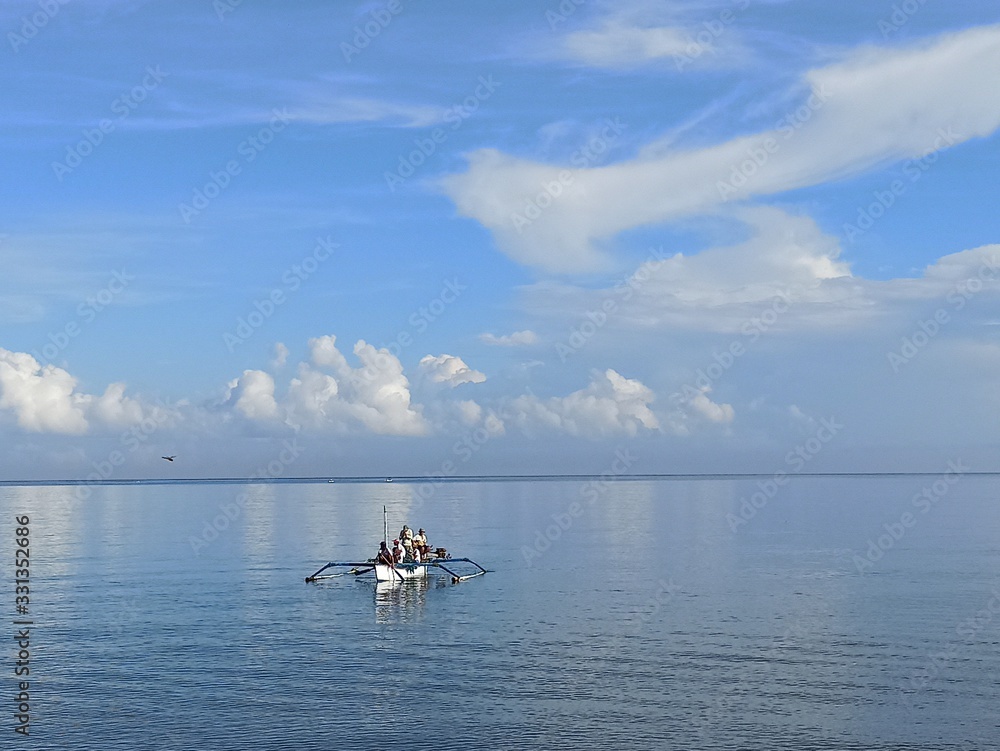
390	232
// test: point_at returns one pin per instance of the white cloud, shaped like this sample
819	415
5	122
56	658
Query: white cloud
470	412
620	44
374	396
787	268
516	339
44	399
280	356
253	395
786	277
610	405
364	110
114	408
785	252
693	405
873	107
450	370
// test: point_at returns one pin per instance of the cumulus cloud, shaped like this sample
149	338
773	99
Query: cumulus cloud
374	396
872	107
114	408
44	399
280	356
610	405
469	411
692	406
449	370
516	339
252	395
41	398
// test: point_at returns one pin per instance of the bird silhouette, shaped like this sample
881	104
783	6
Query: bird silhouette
169	458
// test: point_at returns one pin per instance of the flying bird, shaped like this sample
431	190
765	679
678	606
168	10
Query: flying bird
169	458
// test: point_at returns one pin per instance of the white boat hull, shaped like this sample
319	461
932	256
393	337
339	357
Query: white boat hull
399	572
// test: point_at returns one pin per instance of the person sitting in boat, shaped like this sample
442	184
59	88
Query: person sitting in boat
384	555
420	542
397	552
411	553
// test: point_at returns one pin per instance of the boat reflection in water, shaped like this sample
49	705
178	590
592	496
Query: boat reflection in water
403	602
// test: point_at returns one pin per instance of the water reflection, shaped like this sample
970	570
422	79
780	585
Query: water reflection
401	602
404	602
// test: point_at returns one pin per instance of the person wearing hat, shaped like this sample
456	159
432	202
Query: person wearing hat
397	552
420	542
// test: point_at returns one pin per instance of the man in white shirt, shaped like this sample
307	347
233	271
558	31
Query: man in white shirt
420	542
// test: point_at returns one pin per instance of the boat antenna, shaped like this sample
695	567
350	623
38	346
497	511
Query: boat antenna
385	527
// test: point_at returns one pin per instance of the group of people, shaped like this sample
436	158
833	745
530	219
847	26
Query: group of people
407	548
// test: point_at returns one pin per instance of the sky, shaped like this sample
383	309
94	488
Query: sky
298	239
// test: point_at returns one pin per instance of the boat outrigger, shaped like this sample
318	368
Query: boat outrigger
399	572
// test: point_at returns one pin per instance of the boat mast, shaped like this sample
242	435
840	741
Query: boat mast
385	527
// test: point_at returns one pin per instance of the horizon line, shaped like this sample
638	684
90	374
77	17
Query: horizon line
412	479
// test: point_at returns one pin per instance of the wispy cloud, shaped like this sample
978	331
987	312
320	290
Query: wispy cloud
875	106
617	44
515	339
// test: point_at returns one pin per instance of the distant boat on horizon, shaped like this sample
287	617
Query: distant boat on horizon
388	479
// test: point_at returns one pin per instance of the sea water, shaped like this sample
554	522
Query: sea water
713	613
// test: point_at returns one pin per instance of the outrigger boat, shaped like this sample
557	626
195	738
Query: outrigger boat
439	559
401	571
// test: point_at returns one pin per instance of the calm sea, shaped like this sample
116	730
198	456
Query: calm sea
725	613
